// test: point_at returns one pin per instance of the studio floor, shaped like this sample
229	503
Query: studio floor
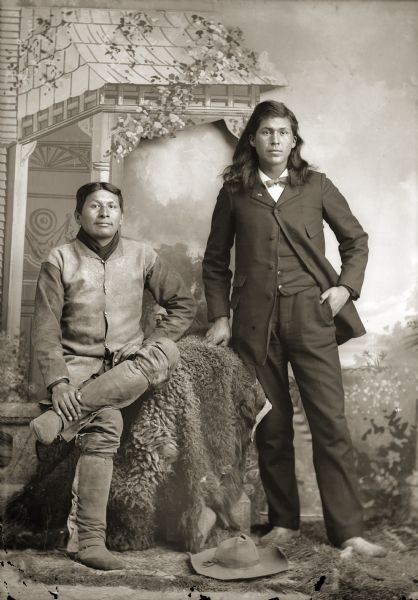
316	571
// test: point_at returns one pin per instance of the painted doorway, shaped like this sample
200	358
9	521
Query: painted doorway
59	165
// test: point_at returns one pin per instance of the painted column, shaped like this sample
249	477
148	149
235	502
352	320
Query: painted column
18	163
116	172
103	166
100	146
9	46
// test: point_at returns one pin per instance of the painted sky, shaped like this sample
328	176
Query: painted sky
352	82
352	73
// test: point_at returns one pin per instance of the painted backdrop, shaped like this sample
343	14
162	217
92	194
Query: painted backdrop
352	74
352	79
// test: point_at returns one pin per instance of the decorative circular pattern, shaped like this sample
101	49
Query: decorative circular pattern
42	221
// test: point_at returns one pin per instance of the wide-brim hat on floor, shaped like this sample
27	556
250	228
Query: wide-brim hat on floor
239	558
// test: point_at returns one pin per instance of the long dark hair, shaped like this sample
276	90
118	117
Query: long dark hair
242	172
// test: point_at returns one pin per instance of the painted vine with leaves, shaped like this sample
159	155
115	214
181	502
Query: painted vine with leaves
213	52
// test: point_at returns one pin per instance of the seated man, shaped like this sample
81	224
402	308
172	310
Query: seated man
90	346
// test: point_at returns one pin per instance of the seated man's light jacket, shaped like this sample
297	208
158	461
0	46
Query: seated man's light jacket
87	308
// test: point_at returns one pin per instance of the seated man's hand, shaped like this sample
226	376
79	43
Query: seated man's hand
65	400
219	332
337	296
129	349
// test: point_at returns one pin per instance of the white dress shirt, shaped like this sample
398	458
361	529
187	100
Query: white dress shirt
275	190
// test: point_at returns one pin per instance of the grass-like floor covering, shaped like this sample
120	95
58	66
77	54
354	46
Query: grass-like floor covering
315	569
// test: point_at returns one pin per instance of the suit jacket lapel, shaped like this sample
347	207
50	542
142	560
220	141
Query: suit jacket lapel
259	192
288	193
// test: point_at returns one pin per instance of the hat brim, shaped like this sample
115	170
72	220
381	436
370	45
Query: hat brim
272	561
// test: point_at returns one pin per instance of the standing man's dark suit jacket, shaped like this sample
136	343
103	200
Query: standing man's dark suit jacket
252	219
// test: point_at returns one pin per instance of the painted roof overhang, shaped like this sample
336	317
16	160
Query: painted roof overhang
84	63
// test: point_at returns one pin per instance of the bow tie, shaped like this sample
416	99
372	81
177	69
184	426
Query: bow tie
280	181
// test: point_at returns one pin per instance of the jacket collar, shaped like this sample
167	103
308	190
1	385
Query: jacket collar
84	250
288	193
103	252
259	192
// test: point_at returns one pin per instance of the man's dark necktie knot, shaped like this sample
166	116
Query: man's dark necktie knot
279	181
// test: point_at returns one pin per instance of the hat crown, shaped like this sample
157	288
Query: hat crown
237	552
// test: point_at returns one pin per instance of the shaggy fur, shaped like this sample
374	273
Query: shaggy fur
184	447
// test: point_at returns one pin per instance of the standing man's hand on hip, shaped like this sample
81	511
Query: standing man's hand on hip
337	296
219	332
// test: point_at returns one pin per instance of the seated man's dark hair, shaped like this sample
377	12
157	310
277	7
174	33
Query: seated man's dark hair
94	186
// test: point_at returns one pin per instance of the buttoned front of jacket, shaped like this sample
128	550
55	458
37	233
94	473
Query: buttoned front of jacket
252	219
103	298
87	308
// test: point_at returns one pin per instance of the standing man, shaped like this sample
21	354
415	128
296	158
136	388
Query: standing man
91	350
290	306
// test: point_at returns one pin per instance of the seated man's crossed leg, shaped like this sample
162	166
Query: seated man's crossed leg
115	388
98	433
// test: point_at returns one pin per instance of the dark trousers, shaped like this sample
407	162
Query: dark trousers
303	334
